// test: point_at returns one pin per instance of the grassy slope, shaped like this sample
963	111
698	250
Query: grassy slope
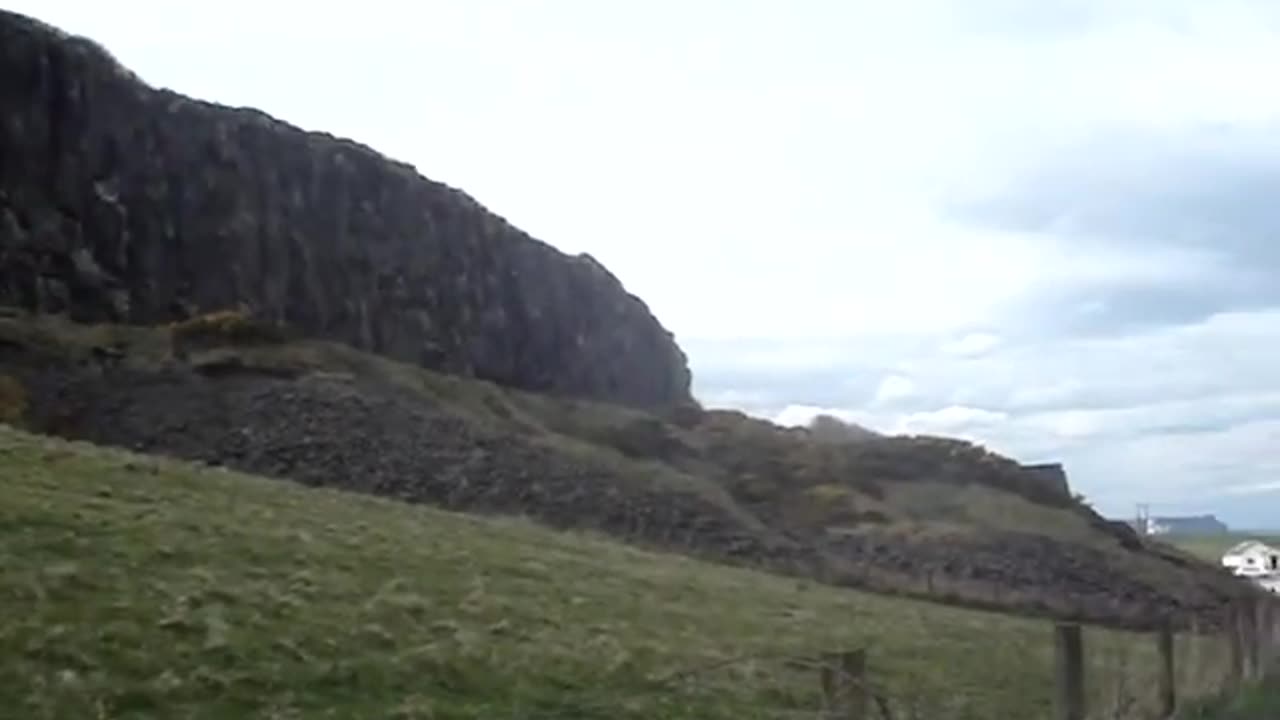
807	489
1257	703
132	587
1260	703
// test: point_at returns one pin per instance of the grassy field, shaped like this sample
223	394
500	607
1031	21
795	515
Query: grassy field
1211	547
1257	703
1261	703
133	587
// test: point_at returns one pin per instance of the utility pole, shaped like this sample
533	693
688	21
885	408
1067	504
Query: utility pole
1144	518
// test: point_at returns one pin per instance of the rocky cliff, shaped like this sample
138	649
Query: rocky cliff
123	202
1053	476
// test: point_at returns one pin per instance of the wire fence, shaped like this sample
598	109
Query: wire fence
1116	679
1085	675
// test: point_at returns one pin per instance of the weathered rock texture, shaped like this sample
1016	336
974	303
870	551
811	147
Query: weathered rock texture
127	203
1053	475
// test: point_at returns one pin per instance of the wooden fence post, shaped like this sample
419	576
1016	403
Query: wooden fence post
1274	636
1272	633
1260	631
844	685
1252	640
1266	630
1167	681
1235	638
1069	671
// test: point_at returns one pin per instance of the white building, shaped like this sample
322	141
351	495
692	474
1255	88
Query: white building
1257	561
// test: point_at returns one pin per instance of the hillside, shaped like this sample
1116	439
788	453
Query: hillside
136	587
349	444
124	203
920	516
213	284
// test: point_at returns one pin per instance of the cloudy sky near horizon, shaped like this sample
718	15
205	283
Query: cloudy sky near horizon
1040	224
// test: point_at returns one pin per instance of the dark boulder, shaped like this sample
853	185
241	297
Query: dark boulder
122	202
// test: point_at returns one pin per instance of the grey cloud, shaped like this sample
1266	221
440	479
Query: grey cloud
772	374
1253	512
1116	309
764	390
1193	190
1209	194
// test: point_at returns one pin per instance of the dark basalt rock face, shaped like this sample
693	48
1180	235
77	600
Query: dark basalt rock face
121	202
1052	475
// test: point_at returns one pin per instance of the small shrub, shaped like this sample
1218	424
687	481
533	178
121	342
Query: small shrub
238	326
13	400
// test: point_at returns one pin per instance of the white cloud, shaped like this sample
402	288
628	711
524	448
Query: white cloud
1054	393
972	344
952	419
1176	466
894	388
1253	489
799	415
1070	424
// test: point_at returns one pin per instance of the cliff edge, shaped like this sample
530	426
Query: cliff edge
120	202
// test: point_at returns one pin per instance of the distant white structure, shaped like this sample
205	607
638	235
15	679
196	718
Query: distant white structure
1150	526
1257	561
1147	525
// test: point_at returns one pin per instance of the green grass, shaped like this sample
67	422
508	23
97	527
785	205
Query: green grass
133	587
1256	703
980	506
1212	547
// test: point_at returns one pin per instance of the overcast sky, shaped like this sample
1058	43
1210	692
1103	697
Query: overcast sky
1044	225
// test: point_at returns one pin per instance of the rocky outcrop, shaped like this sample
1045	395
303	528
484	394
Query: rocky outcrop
122	202
1052	475
340	431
